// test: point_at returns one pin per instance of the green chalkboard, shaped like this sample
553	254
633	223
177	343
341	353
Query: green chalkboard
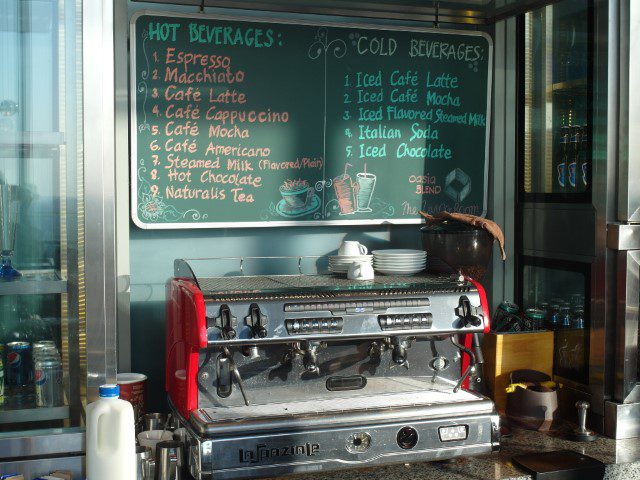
236	122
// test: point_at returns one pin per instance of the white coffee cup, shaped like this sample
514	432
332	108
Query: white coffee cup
360	271
352	248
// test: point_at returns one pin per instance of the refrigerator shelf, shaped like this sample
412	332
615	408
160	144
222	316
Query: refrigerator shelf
30	144
33	414
35	282
569	86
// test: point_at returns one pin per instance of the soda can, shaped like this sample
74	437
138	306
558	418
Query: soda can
503	315
43	349
19	367
48	382
534	318
543	306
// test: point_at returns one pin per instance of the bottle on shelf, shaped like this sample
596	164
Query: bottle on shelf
572	168
584	159
560	183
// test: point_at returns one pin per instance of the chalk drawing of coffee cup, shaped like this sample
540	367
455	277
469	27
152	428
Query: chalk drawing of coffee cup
296	194
366	185
346	191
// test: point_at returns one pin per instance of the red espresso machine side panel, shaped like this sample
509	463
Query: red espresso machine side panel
487	327
186	335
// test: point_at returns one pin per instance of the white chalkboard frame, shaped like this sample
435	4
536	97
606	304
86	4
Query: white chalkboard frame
294	19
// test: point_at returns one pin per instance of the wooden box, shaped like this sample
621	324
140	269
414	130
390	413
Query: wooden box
506	352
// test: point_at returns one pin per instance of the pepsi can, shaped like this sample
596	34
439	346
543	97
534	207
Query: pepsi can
44	348
19	367
48	382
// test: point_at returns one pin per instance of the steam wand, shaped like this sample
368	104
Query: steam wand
472	362
236	374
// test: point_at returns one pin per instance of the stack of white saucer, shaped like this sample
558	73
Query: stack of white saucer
350	252
340	263
399	261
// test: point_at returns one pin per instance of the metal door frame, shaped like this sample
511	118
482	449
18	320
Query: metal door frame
99	185
627	387
629	118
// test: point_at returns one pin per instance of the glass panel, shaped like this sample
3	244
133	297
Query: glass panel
561	293
557	101
42	246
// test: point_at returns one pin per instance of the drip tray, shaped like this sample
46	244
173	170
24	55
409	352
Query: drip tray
431	401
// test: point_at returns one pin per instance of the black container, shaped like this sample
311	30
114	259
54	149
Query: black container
464	248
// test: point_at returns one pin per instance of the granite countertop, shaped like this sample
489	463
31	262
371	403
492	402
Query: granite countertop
622	458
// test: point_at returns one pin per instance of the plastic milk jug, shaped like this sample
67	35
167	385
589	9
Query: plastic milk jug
111	439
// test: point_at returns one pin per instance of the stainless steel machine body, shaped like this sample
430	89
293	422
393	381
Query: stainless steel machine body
305	373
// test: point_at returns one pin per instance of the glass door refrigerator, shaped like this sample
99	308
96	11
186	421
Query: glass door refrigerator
52	347
564	174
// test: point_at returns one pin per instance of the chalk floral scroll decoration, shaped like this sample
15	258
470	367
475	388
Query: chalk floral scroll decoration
322	45
142	86
379	209
154	209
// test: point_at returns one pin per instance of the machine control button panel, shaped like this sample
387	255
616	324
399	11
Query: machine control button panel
453	433
311	326
362	306
405	321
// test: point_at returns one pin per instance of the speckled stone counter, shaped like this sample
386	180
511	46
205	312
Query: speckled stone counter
622	458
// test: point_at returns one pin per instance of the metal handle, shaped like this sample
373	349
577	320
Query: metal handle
582	407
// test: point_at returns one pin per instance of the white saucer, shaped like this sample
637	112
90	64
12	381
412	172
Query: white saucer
385	271
394	252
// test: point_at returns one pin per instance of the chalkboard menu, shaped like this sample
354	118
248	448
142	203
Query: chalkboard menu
239	122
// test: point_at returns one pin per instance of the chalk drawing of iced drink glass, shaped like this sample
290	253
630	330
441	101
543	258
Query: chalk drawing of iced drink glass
366	185
346	190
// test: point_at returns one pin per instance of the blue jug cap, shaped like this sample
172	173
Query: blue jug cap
109	391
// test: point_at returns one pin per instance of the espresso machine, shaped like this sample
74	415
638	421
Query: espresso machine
280	374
